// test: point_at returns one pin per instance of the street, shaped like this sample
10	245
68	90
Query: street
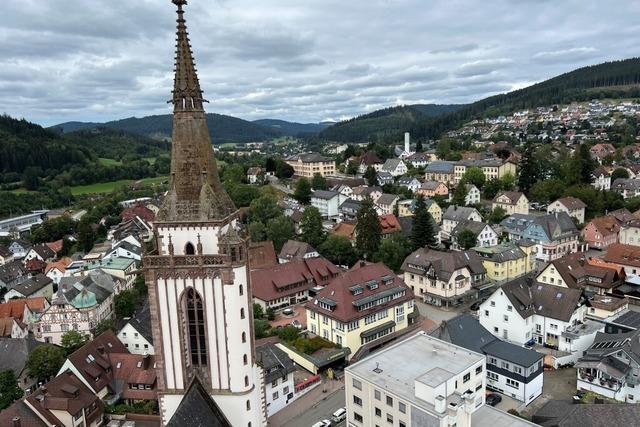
319	411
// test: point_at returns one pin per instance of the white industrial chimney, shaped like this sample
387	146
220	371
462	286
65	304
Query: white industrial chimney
407	142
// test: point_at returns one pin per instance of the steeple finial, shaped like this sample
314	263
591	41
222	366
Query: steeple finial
187	95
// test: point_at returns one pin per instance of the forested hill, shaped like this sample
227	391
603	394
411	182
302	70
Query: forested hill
292	128
24	144
223	128
384	124
617	79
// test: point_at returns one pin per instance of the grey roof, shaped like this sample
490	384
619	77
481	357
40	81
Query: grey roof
391	164
625	184
324	194
11	271
440	167
128	247
198	409
350	205
630	319
557	413
387	199
465	331
141	322
444	264
44	251
294	249
606	345
97	281
33	285
14	353
310	158
406	223
408	180
275	362
507	251
475	227
513	196
556	225
459	213
4	251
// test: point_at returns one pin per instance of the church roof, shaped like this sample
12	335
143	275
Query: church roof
198	409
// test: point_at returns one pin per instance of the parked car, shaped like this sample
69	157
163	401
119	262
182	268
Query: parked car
339	415
476	305
493	399
287	311
296	324
323	423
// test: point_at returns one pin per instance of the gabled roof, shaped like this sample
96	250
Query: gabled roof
15	307
623	254
262	254
293	249
572	203
344	228
387	199
43	251
324	194
55	246
390	224
444	264
198	409
513	196
440	167
33	285
577	272
274	361
141	322
130	368
476	227
369	158
11	271
14	353
5	252
61	265
431	185
391	164
459	213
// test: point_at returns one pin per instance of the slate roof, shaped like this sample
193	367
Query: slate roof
625	184
14	353
431	185
475	227
503	252
275	362
444	264
513	196
11	271
293	249
99	284
530	297
128	247
324	194
391	164
5	252
350	205
141	322
465	330
33	285
310	158
43	251
440	167
458	213
198	409
557	413
387	199
572	203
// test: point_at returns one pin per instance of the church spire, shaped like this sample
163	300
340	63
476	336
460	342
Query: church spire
187	95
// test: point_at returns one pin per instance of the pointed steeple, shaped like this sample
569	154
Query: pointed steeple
195	193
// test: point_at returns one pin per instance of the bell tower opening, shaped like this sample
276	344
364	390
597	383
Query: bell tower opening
196	338
189	249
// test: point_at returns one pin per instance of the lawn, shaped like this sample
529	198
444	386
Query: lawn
109	162
102	187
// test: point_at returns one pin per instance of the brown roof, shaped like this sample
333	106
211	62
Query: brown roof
6	324
5	252
92	359
287	279
261	255
61	265
622	215
35	265
606	225
340	294
44	251
294	249
623	254
530	297
578	273
513	196
68	393
138	210
390	224
55	246
608	302
444	264
20	410
344	228
15	307
135	369
572	203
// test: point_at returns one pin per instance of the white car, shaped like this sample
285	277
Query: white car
323	423
339	415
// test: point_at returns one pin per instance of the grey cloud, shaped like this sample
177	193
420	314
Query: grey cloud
566	55
482	66
455	49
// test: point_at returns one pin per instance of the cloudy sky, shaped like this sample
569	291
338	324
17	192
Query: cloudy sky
302	60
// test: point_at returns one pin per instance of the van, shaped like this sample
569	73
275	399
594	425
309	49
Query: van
339	415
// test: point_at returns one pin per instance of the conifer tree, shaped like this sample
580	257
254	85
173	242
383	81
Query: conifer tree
423	231
368	229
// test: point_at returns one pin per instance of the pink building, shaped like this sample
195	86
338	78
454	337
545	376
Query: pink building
601	232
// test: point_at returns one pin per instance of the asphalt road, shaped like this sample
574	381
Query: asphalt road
320	411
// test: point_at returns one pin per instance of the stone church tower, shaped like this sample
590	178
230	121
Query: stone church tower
198	280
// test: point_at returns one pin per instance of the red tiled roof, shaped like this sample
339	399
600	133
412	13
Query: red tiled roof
361	273
6	324
138	211
606	225
572	203
55	246
287	279
132	369
345	229
15	307
390	224
623	255
61	265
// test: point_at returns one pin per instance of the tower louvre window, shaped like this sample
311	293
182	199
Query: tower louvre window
189	249
196	328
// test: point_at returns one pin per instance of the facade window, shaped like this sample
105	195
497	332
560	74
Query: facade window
466	377
275	395
246	381
244	337
357	384
245	359
402	408
242	313
241	289
378	412
248	405
357	400
376	394
196	328
357	417
390	419
512	383
389	401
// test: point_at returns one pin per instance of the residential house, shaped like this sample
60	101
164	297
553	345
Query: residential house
611	365
136	334
407	207
79	304
343	189
494	168
579	272
19	248
625	256
38	286
14	353
409	182
513	202
601	151
6	255
505	261
255	175
41	252
367	159
346	229
384	178
422	381
512	370
554	235
121	268
12	274
295	250
627	187
473	195
348	210
386	203
440	171
433	188
65	401
308	164
418	160
140	211
18	316
279	369
389	226
602	307
124	249
361	192
454	215
601	179
484	234
138	227
443	278
396	167
601	232
327	202
107	368
288	284
58	269
366	306
572	206
524	311
630	233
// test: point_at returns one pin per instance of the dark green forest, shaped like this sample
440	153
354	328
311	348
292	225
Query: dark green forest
617	79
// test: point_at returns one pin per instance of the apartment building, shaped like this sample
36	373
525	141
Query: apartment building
513	202
506	261
574	207
308	164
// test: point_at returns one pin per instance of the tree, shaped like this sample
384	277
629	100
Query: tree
283	169
419	146
547	190
352	168
619	173
303	191
318	182
466	239
423	230
497	215
279	230
368	229
44	362
271	314
475	176
338	250
311	227
31	177
258	311
10	391
260	328
72	340
125	303
491	188
86	235
264	208
103	326
459	195
371	176
528	168
507	182
257	231
392	252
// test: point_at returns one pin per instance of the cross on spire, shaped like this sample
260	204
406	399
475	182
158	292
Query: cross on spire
187	95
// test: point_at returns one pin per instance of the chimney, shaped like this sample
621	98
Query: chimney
101	349
16	421
407	142
440	405
146	359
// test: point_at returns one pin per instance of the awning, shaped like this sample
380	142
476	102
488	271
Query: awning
373	331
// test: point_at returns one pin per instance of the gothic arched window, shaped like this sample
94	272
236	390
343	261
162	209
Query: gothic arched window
245	359
244	337
196	328
189	249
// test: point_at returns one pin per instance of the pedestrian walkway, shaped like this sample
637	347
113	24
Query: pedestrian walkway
306	402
